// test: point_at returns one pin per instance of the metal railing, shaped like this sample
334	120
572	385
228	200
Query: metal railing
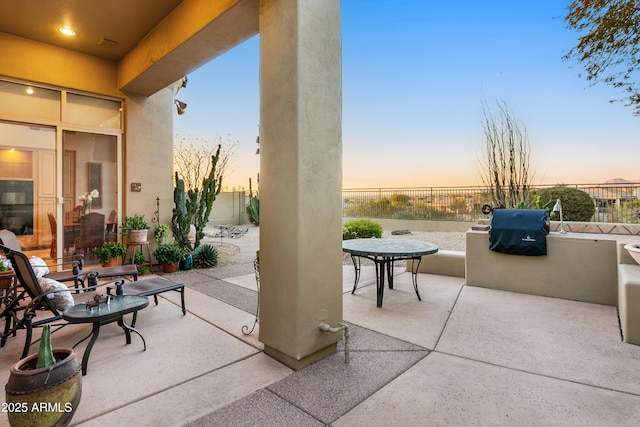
615	203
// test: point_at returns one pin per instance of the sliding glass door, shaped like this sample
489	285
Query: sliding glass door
27	182
89	185
58	149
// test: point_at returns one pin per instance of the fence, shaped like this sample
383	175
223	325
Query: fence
615	203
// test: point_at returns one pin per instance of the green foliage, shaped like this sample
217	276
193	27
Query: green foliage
200	202
577	205
631	212
109	250
139	261
404	215
136	222
609	38
45	352
205	256
360	229
253	208
180	220
162	230
5	264
168	253
194	206
399	200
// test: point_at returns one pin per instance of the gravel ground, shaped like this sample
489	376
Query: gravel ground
446	240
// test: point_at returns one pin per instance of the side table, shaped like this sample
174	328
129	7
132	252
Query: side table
135	246
104	314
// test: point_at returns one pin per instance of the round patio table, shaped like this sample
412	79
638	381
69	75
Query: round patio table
384	252
103	314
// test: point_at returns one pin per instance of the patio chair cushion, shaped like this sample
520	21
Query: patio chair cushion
59	293
38	266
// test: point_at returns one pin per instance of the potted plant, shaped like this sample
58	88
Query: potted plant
169	254
6	273
141	263
108	253
136	228
51	377
161	233
186	261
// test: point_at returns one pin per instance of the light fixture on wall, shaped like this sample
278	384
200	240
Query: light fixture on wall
558	208
180	106
258	142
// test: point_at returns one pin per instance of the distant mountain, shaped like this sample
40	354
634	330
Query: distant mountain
620	181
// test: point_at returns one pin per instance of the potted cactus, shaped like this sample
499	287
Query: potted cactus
50	379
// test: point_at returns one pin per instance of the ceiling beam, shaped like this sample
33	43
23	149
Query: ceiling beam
196	32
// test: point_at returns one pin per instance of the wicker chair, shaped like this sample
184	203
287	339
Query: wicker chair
91	232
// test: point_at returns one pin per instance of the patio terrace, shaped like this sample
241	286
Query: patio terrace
463	356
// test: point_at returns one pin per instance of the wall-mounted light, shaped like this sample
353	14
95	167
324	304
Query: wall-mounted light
67	31
258	142
180	106
558	208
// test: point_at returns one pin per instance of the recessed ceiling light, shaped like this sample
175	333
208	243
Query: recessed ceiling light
67	31
29	90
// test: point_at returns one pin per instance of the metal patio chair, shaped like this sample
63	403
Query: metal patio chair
77	274
32	307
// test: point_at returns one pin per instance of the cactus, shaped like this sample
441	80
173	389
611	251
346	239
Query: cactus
253	208
194	206
205	256
45	352
199	204
180	221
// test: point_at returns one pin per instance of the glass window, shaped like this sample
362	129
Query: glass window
86	110
36	103
27	182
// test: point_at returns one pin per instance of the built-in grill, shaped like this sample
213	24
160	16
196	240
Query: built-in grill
519	231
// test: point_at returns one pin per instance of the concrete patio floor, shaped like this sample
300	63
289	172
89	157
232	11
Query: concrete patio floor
463	356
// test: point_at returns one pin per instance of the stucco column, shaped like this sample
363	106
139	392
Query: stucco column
300	178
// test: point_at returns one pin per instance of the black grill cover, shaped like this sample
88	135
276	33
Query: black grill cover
519	231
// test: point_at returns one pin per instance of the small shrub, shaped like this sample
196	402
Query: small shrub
404	215
140	262
205	256
577	205
162	230
168	253
631	212
361	229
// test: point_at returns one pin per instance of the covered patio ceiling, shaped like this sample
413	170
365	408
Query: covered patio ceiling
154	42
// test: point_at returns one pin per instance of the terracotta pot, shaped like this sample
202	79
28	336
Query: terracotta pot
113	261
45	396
169	267
138	236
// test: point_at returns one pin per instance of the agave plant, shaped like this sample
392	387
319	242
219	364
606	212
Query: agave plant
205	256
45	352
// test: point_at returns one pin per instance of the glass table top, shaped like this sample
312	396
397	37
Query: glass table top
119	305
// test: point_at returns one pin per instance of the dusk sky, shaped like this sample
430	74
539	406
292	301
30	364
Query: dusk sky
415	76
